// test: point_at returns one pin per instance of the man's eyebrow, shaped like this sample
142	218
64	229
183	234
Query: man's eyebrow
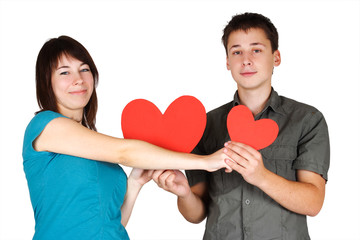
235	46
257	43
251	44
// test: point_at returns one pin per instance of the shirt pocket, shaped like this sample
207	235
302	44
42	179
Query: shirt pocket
221	183
280	160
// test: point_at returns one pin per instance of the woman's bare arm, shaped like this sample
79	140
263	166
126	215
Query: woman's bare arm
65	136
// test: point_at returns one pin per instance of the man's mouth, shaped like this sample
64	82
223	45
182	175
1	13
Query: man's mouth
247	74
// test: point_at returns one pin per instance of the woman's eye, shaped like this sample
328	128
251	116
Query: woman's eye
85	70
237	52
64	73
257	51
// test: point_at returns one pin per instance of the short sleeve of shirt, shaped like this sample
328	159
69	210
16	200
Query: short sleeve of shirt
34	129
314	146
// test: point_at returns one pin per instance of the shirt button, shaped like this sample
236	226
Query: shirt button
247	201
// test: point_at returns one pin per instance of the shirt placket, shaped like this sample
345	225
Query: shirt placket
247	209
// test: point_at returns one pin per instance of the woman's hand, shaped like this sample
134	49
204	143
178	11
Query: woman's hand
138	177
216	161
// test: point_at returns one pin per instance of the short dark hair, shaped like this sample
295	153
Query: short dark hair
47	61
247	21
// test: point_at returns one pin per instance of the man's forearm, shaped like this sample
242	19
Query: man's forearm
192	208
305	196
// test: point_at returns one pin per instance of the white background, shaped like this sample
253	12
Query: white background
160	50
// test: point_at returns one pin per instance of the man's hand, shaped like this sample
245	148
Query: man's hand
247	161
190	202
304	196
173	181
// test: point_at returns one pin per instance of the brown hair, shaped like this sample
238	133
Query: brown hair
247	21
47	61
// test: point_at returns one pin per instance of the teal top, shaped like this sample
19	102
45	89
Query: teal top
72	197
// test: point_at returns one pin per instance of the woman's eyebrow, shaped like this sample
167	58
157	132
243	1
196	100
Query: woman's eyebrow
62	67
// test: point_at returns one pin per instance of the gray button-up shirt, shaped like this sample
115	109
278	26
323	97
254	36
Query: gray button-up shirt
239	210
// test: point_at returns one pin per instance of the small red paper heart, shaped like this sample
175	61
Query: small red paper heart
244	129
180	128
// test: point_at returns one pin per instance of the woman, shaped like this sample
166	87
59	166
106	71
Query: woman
76	185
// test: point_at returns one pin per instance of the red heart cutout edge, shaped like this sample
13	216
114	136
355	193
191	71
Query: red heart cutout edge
180	128
244	129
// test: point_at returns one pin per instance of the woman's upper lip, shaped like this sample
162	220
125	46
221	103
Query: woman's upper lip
78	91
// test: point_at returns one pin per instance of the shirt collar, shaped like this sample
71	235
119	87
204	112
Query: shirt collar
274	102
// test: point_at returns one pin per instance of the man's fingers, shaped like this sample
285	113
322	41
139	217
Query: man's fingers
234	166
156	174
235	157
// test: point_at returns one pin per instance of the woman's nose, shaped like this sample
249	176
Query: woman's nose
78	79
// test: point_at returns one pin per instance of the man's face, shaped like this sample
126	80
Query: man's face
250	59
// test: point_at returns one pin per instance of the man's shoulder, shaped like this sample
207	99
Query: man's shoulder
289	106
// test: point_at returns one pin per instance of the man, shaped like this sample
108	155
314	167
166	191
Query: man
270	192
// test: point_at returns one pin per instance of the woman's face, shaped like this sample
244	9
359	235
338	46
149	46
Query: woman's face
73	84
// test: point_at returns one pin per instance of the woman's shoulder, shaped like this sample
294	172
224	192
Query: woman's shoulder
34	128
39	121
44	117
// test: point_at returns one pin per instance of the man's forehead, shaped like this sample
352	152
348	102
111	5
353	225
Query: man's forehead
252	37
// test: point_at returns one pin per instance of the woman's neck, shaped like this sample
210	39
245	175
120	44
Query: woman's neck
75	115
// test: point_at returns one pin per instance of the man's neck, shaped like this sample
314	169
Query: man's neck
254	99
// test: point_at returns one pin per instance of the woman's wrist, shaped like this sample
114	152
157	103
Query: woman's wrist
202	162
133	184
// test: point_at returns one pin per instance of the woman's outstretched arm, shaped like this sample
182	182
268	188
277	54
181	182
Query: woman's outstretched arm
66	136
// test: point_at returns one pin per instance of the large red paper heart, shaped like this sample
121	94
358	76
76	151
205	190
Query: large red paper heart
243	128
180	128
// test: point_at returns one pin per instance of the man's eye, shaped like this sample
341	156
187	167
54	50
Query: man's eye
237	52
257	51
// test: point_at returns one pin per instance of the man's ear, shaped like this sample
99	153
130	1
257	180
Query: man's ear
227	63
277	58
